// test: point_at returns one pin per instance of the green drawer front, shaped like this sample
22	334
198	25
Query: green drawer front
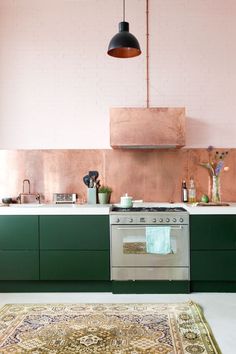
19	232
19	265
74	265
87	232
213	265
213	232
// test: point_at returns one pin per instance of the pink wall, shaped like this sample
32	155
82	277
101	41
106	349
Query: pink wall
57	83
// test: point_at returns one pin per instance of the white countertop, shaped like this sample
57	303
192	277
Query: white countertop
197	210
98	209
55	209
211	210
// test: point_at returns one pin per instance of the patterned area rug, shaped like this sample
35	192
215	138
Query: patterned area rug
105	328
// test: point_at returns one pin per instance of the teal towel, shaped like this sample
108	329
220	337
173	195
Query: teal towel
158	240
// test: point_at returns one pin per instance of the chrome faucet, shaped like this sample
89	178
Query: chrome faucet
26	180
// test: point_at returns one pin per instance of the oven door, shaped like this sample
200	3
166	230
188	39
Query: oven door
131	260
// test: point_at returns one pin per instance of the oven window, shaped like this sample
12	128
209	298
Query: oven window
161	241
134	245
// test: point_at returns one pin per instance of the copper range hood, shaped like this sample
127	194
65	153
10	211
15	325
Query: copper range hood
147	128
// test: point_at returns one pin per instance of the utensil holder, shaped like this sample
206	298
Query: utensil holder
92	196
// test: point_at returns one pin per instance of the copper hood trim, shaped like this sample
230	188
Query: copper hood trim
148	147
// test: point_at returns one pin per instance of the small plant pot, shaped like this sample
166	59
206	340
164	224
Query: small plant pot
103	198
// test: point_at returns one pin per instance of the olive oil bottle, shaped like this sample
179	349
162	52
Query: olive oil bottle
192	191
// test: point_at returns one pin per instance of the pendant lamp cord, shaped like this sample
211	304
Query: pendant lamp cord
124	10
147	51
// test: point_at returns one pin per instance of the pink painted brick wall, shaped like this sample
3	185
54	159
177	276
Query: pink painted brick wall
57	83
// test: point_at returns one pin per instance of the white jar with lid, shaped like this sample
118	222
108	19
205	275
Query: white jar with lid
126	201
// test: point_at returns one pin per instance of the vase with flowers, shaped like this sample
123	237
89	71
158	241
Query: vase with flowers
214	166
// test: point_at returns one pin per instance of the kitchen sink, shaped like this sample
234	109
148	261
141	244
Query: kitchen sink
28	205
36	205
52	205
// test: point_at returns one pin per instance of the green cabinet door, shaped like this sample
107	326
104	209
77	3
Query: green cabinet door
19	265
212	232
213	249
213	265
19	232
74	247
19	247
70	232
74	265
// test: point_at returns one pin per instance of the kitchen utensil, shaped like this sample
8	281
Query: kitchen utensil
93	174
126	201
98	184
86	180
91	182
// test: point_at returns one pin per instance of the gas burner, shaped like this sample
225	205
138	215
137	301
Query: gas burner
148	209
119	209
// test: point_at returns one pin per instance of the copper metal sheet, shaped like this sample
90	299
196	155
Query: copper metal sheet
147	127
151	175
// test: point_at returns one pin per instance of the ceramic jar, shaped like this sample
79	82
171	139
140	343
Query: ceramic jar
126	201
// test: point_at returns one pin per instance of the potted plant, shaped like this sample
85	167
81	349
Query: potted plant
104	194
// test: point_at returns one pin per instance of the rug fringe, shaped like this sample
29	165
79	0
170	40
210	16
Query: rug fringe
207	326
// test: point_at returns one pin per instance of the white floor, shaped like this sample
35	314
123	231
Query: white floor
219	308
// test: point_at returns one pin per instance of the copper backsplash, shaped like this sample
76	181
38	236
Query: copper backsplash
149	175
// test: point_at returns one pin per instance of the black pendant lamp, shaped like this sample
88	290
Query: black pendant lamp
124	44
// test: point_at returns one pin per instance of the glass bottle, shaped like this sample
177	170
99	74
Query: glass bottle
184	194
192	191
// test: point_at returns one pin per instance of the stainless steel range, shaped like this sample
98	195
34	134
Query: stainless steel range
149	243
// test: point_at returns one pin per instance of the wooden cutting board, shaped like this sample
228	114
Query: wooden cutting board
212	204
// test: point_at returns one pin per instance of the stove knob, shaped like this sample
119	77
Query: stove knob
167	220
130	220
174	220
161	220
181	220
154	220
117	220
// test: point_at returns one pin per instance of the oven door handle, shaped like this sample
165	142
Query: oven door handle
143	228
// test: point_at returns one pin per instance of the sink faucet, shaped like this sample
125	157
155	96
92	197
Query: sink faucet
28	181
28	197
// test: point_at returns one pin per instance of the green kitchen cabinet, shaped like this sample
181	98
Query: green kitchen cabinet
213	252
80	232
212	232
19	247
19	265
74	247
213	265
19	232
74	265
